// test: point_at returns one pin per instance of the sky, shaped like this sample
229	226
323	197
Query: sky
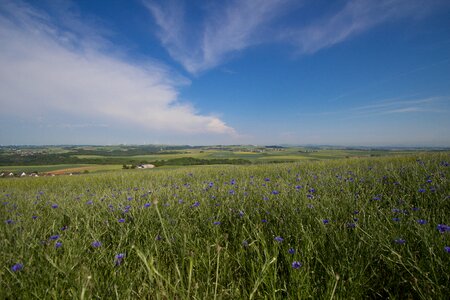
343	72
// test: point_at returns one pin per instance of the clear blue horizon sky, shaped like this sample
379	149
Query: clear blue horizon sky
345	72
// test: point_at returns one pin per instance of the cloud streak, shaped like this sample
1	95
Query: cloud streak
236	25
225	31
44	69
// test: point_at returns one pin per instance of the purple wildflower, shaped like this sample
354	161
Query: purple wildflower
119	258
443	228
291	251
447	249
325	221
9	221
351	225
396	219
58	244
400	241
54	237
196	204
54	205
422	190
217	223
147	204
121	220
422	222
279	239
96	244
17	267
296	264
245	244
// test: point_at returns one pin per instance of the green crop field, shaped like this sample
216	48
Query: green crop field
346	229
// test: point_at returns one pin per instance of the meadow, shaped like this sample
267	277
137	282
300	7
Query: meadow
373	227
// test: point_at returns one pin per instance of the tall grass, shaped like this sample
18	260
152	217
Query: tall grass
359	228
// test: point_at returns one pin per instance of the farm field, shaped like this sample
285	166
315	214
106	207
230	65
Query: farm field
59	159
354	228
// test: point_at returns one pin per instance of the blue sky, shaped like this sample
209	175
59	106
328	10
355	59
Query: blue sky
345	72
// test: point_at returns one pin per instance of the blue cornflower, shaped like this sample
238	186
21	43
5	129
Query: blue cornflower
264	221
9	221
422	190
17	267
196	204
147	204
34	217
119	258
279	239
447	249
54	205
296	264
422	222
54	237
351	225
121	220
245	244
291	251
89	202
297	187
275	192
443	228
325	221
266	179
400	241
217	223
96	244
396	219
58	244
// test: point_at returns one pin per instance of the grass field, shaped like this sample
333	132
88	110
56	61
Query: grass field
346	229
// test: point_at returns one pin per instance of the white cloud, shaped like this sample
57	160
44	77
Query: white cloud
45	70
226	29
356	17
232	26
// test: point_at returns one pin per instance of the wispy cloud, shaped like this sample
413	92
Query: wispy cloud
236	25
355	17
391	106
46	69
226	29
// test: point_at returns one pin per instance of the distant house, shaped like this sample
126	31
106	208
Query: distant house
146	166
